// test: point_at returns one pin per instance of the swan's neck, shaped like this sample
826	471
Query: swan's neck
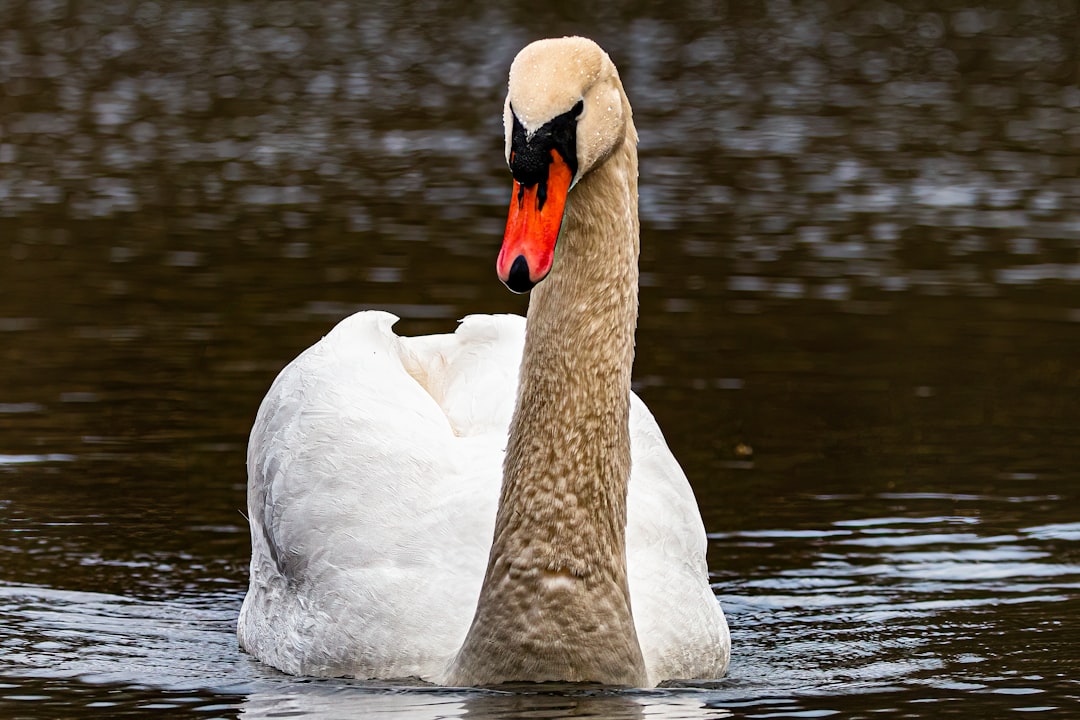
555	604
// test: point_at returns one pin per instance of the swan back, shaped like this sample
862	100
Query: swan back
373	475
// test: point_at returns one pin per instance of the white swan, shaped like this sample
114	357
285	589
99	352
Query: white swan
376	461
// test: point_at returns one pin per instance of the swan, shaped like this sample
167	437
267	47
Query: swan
495	504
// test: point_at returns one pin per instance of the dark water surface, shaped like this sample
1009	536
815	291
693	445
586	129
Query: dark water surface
860	327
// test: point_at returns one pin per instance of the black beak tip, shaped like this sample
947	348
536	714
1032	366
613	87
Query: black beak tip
518	280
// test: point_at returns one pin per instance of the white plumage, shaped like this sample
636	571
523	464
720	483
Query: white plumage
377	460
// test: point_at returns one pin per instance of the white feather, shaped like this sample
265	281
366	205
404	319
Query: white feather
375	465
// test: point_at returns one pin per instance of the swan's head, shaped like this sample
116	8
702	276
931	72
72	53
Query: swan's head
564	114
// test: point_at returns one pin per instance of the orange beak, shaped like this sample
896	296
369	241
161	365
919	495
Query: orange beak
532	229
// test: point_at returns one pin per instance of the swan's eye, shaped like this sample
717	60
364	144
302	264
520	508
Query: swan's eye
578	110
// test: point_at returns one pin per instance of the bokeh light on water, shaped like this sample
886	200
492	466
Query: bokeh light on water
817	151
859	324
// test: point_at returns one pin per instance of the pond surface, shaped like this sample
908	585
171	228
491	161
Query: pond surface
860	328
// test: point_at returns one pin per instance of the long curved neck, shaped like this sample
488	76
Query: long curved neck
555	604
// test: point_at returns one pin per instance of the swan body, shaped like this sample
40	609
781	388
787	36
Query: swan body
493	504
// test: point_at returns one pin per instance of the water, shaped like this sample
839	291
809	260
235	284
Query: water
860	324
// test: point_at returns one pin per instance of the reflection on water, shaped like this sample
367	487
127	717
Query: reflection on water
860	297
909	607
558	702
915	598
